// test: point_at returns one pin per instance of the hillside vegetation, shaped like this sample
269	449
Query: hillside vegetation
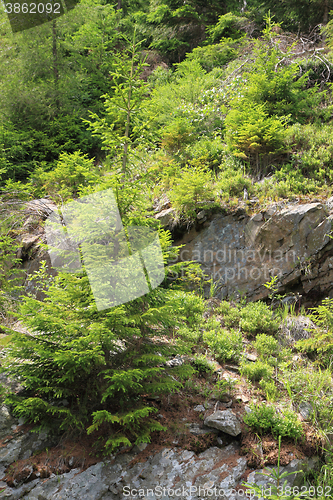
189	102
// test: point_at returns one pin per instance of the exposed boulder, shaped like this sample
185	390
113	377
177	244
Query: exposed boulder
296	328
241	253
225	421
166	216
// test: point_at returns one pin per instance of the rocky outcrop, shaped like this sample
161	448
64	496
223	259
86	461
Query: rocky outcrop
217	473
224	421
241	253
296	328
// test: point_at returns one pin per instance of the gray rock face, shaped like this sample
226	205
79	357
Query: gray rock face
215	473
294	480
297	328
241	253
306	410
166	216
170	469
20	444
199	430
168	474
224	421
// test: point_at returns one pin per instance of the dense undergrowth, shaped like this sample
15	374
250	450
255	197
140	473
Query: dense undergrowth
183	103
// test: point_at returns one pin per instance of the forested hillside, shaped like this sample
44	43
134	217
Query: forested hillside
190	105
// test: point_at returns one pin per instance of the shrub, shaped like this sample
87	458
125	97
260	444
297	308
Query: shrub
321	342
264	419
224	387
231	314
73	171
253	134
256	317
256	371
203	365
231	182
226	345
228	25
266	345
208	150
177	135
269	389
103	362
217	55
194	186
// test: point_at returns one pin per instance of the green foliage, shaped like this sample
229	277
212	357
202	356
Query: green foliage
177	135
202	365
187	104
252	133
270	389
278	87
225	345
287	182
209	151
11	277
264	419
266	345
192	187
256	371
297	15
118	130
102	363
228	26
231	314
312	148
72	173
231	181
314	386
223	387
256	317
174	28
321	342
217	55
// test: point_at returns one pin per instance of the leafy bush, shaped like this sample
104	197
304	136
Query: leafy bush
279	87
73	171
266	345
253	134
256	317
103	363
228	25
321	342
231	182
203	365
184	108
226	345
208	150
177	135
269	388
193	187
231	314
256	371
224	387
217	55
287	181
264	419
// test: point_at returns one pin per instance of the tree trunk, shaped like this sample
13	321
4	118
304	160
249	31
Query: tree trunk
55	61
326	12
